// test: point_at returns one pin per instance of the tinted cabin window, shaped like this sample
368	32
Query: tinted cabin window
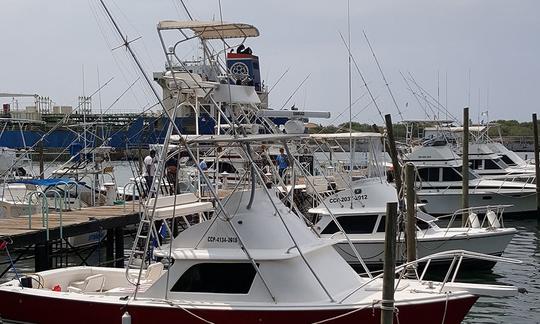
429	174
476	164
221	278
491	165
382	224
507	160
450	174
353	224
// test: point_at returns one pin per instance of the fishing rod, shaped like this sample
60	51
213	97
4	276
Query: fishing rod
383	76
362	76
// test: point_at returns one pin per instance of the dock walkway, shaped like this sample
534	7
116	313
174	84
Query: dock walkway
74	222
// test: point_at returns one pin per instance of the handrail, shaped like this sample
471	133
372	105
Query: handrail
440	255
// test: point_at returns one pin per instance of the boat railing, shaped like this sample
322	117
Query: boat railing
59	202
472	218
134	187
457	257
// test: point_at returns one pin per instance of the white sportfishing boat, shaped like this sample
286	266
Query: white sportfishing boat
439	184
254	261
360	207
365	225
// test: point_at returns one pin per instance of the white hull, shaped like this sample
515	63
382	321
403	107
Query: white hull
372	250
448	201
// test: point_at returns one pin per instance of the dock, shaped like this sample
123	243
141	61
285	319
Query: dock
36	239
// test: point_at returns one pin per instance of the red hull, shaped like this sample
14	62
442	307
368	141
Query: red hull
36	309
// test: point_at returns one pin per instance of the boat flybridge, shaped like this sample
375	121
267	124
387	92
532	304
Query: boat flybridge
439	183
254	261
359	206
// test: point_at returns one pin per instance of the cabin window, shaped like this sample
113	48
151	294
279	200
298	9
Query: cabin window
220	278
360	224
450	174
476	164
491	165
508	160
428	174
382	224
472	175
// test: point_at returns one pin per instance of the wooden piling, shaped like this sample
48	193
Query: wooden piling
465	167
410	228
393	152
536	164
387	304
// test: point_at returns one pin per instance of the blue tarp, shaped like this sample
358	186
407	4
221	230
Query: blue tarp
46	182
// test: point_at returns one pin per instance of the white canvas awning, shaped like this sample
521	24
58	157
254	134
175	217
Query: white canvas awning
212	29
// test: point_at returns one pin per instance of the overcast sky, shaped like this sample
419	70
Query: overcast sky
44	46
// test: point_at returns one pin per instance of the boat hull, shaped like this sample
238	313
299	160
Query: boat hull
372	251
28	308
445	203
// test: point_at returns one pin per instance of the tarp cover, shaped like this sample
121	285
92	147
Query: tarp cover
46	182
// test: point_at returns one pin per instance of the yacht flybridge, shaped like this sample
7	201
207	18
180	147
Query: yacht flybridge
439	183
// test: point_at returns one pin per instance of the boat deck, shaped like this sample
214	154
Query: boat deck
74	222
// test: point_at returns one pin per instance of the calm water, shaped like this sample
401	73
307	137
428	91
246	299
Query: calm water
524	308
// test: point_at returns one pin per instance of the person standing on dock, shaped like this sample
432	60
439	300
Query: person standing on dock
149	164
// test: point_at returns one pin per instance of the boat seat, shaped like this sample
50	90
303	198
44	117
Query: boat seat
153	272
93	283
473	220
492	219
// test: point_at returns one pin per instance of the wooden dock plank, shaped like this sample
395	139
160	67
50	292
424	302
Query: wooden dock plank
74	222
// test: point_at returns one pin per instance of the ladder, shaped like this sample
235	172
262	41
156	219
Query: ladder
139	254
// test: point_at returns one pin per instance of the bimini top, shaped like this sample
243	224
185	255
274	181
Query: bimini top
211	29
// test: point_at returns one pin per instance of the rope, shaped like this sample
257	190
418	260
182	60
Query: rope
445	307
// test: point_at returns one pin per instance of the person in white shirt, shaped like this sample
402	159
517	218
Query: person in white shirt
149	169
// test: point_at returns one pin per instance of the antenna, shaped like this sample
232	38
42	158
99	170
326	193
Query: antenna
438	97
446	94
383	76
351	149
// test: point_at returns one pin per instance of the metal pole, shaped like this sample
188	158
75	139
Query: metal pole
393	152
41	163
465	167
387	304
536	164
411	216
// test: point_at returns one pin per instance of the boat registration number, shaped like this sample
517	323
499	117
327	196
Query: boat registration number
222	239
347	198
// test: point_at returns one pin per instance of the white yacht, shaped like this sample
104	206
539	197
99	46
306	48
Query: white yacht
439	184
365	225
